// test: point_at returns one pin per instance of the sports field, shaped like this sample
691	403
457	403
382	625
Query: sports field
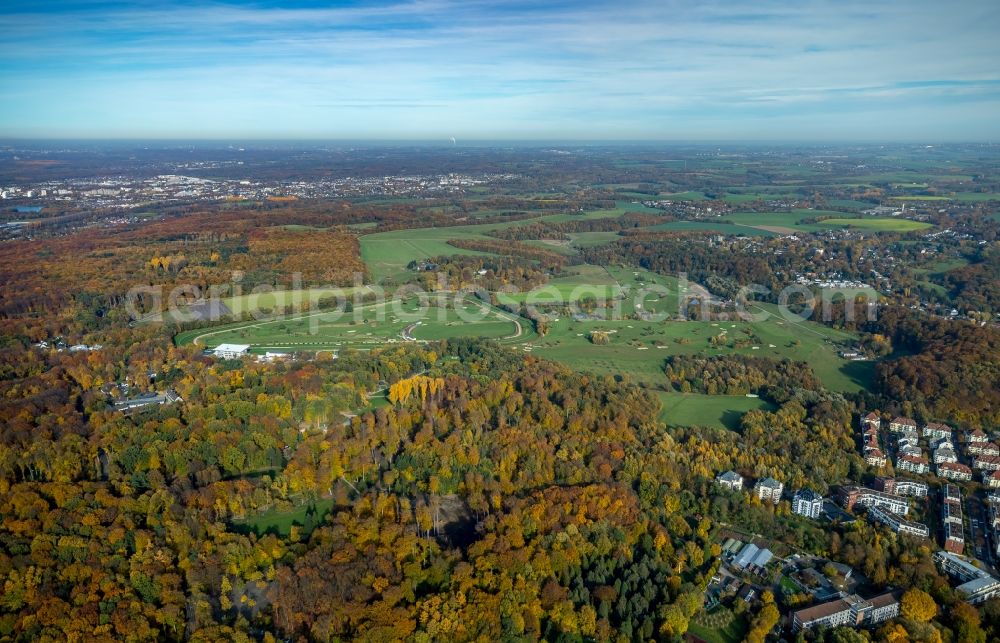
637	349
644	330
369	326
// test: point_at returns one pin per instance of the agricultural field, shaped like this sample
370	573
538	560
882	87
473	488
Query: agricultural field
690	195
852	204
877	225
921	197
719	225
975	197
789	222
737	198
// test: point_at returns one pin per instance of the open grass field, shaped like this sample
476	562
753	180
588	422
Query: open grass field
648	292
267	301
638	349
580	282
280	522
939	267
783	222
974	197
368	327
388	253
721	411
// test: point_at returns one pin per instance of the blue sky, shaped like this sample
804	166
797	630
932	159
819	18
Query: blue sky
431	69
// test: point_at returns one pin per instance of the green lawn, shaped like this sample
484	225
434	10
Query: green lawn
693	409
788	586
638	348
580	282
719	626
267	301
280	522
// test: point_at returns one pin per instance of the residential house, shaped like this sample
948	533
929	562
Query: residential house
875	458
851	496
945	453
976	435
901	487
982	448
987	462
769	489
952	528
915	488
903	424
897	524
808	503
730	480
936	431
954	471
912	464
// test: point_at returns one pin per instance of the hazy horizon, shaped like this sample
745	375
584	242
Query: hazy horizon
429	70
